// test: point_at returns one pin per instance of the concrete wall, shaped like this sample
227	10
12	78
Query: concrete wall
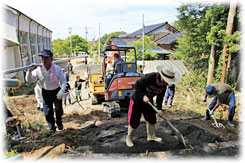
37	38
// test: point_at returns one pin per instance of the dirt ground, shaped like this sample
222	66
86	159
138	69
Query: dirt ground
90	133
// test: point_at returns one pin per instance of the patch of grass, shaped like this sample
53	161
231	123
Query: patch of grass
10	153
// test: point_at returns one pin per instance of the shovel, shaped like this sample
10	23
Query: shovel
179	135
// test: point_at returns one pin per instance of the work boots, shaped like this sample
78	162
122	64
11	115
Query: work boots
129	139
151	133
229	122
207	117
69	101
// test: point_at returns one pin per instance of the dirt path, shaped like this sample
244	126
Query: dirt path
90	133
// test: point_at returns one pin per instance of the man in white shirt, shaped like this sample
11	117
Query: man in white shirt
39	97
53	84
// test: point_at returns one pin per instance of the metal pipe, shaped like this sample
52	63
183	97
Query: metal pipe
9	71
12	83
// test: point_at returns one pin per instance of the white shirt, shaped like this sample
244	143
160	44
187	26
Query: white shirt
38	92
41	74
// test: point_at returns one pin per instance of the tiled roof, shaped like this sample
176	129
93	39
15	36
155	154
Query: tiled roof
122	40
147	29
169	38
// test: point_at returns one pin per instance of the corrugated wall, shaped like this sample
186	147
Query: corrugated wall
176	64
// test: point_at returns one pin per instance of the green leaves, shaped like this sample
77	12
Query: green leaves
63	46
148	44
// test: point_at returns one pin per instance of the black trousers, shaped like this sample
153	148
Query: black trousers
136	108
50	99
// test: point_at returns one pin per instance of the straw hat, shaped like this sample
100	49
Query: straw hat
168	74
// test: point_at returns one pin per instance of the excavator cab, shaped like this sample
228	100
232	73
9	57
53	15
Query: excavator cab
119	72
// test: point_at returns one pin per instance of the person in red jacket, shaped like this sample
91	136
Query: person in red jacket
150	85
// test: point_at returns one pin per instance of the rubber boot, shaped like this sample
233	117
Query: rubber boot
129	139
65	102
150	128
77	98
80	98
69	101
229	122
207	117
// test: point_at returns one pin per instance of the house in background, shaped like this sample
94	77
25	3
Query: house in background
22	40
164	35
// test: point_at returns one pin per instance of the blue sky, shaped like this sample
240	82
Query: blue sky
112	15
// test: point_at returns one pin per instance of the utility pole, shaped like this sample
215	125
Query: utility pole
120	19
70	32
86	33
143	42
231	15
99	43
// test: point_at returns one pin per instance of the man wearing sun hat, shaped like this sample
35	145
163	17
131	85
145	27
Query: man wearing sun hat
223	94
150	85
53	83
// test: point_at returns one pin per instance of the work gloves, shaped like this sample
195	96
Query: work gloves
204	100
211	112
145	99
60	94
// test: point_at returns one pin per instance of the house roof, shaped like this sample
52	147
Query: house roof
169	38
121	40
148	29
124	41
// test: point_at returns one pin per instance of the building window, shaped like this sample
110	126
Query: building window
23	44
33	43
44	43
39	42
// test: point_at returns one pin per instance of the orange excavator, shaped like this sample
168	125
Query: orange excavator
119	74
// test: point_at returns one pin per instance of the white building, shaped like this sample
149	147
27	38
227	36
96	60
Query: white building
22	40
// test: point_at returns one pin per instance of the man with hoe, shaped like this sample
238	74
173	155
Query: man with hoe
150	85
223	94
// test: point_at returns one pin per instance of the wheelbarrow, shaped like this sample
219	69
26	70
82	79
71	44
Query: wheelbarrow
179	135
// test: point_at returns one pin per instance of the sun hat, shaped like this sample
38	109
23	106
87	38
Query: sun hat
168	74
46	53
210	90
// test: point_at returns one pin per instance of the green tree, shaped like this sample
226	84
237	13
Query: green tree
60	46
191	21
204	27
105	38
79	44
148	44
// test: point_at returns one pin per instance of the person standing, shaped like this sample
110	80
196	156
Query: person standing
170	94
223	94
53	83
70	67
150	85
67	93
38	95
86	60
78	87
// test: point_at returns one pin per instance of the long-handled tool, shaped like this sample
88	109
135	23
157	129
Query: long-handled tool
179	135
77	101
215	124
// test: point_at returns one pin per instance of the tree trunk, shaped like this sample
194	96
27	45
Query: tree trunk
232	13
211	65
